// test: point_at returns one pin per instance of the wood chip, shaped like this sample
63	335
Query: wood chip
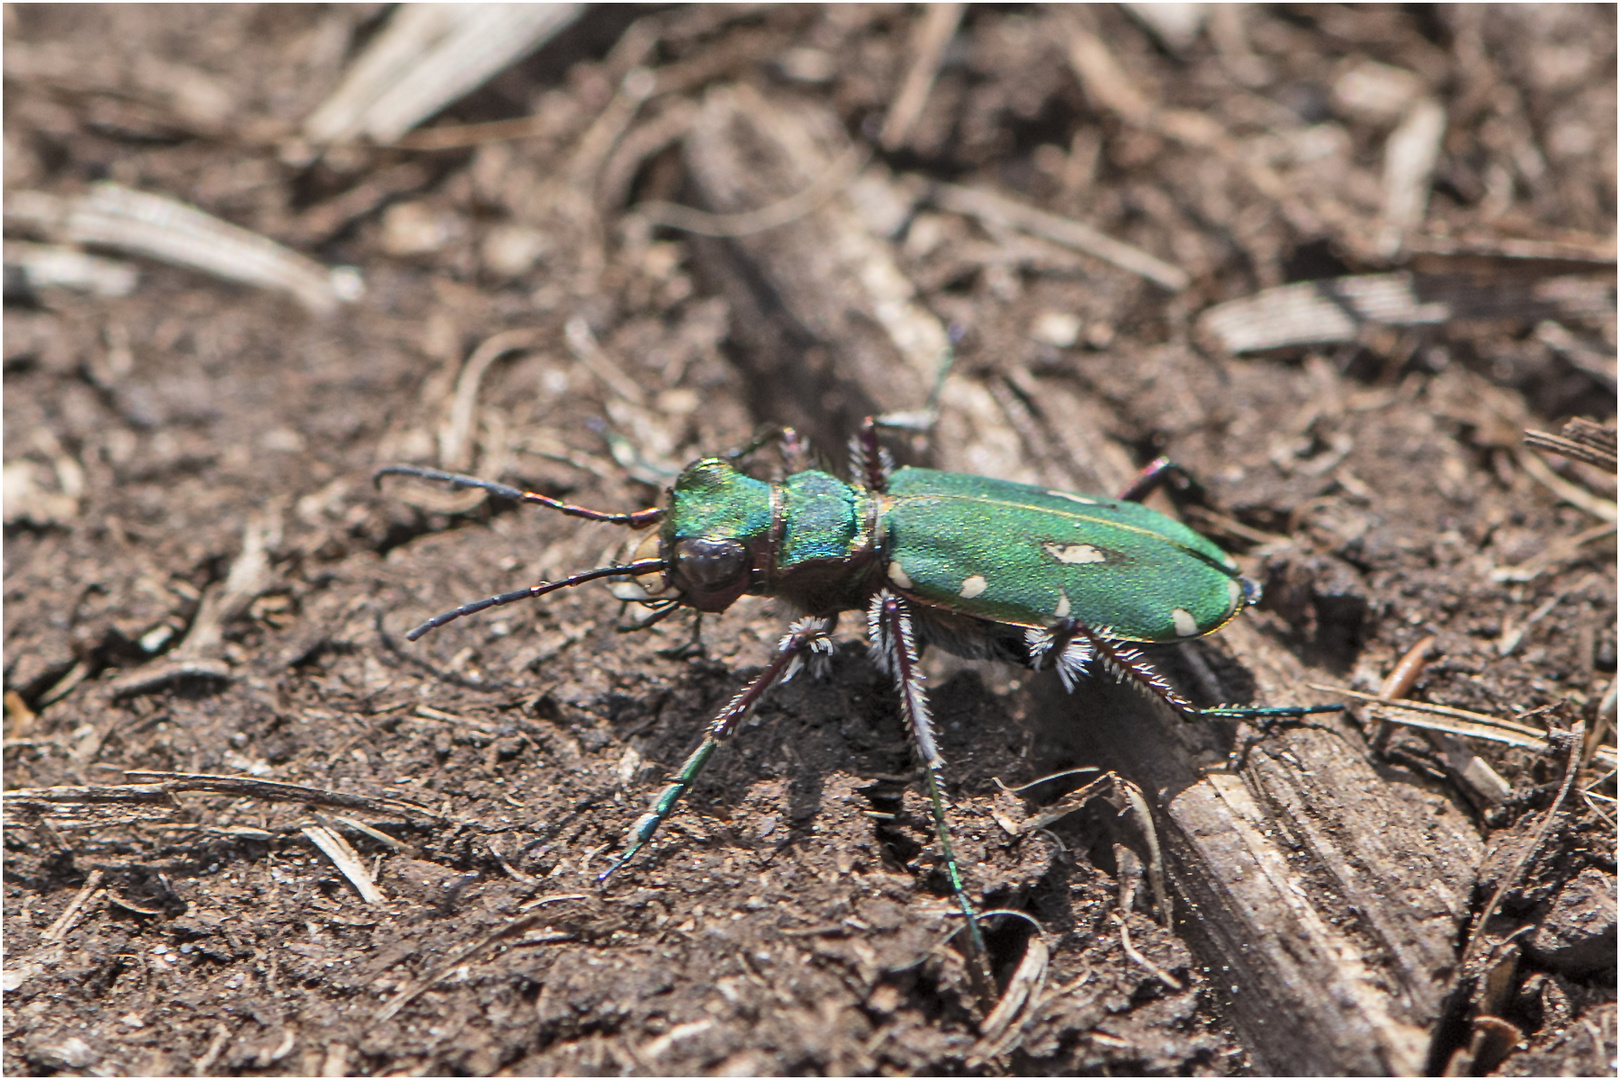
51	266
347	860
1337	310
1410	156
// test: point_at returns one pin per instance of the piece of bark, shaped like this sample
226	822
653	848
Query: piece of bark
830	325
1327	898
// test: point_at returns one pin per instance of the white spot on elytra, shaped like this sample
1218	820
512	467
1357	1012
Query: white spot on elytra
973	586
897	574
1081	499
1062	609
1074	553
1186	625
1234	591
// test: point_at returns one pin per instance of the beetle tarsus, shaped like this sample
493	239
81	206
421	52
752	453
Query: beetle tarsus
692	646
1269	712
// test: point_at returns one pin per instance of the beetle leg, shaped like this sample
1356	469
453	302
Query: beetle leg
1125	663
765	436
1071	646
1158	472
870	463
1060	646
808	635
894	646
660	612
796	453
693	646
923	421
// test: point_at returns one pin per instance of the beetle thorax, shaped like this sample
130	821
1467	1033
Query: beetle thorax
806	539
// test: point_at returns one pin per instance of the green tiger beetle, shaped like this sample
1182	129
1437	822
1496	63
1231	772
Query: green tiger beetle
982	568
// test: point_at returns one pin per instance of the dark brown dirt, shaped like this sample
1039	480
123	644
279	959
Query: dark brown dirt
792	918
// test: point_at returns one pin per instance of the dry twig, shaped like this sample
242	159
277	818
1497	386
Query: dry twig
113	216
930	40
998	209
427	57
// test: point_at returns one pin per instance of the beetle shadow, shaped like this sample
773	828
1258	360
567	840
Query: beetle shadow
802	733
1107	726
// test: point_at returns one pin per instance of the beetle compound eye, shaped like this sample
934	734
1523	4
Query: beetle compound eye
708	565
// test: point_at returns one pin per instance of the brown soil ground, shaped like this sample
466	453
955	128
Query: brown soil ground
200	577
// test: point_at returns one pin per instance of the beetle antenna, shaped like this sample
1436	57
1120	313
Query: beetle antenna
635	520
635	569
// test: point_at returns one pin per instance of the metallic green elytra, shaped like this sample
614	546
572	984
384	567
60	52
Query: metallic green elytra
1023	555
980	567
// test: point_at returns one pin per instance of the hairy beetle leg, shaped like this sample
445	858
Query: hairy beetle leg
894	645
869	463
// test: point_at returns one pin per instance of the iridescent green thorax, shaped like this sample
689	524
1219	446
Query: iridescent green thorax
825	557
1028	556
806	539
820	519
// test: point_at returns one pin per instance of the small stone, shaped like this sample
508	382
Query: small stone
510	251
807	65
72	1054
1059	328
413	228
1376	92
282	440
1578	933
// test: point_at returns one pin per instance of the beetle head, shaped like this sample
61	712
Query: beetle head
717	534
